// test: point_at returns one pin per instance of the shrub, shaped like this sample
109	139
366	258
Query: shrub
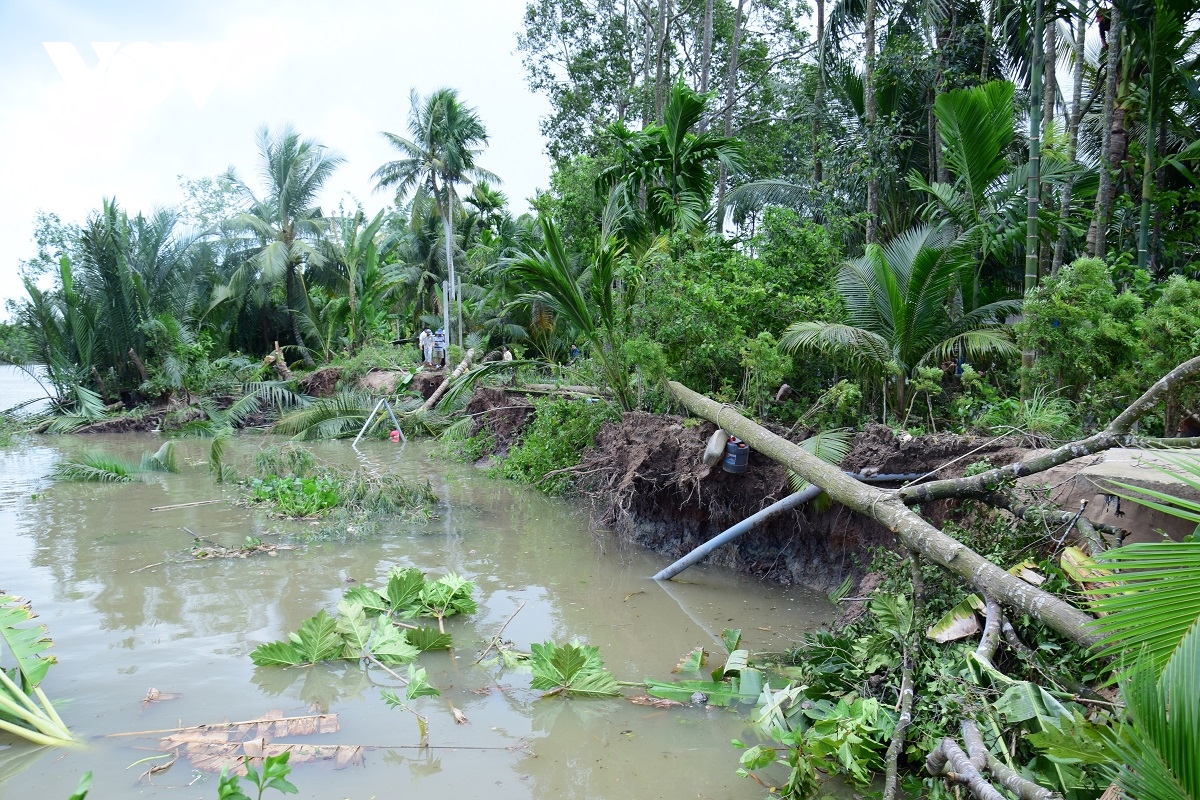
555	440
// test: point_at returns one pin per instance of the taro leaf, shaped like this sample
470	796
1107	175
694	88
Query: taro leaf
371	601
26	644
427	637
692	661
959	622
317	639
731	637
418	684
738	661
389	645
571	669
404	588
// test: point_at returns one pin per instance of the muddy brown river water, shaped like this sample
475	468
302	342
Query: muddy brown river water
130	610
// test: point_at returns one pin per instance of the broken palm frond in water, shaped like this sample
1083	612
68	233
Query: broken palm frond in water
99	467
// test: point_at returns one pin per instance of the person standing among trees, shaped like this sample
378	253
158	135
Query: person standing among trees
439	347
426	342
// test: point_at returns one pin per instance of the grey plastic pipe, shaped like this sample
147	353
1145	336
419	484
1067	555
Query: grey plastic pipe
753	521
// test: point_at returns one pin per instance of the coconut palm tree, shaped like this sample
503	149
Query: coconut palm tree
445	138
282	229
904	310
671	167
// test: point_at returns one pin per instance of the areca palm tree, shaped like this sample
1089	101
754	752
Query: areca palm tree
671	166
445	138
904	310
283	227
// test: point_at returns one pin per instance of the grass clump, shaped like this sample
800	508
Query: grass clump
554	441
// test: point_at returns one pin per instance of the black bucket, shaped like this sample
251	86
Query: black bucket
737	456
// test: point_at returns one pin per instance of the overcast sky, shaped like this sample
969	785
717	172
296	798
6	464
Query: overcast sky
129	95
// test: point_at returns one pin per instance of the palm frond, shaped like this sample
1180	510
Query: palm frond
335	417
829	446
97	467
162	460
1155	752
1151	602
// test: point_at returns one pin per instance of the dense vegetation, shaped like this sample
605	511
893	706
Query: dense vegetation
937	216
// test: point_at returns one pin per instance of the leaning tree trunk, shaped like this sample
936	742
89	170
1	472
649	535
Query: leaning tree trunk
913	531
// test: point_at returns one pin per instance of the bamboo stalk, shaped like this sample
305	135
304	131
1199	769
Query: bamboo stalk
187	505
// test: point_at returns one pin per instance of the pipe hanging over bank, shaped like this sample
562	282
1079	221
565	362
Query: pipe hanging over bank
753	521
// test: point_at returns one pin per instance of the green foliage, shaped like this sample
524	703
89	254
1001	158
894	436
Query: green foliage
275	771
571	670
555	440
81	789
296	497
702	303
900	302
1043	418
1085	334
364	625
1171	333
294	485
457	443
664	172
1155	757
766	367
24	710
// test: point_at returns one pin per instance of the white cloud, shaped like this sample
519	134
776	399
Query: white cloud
183	91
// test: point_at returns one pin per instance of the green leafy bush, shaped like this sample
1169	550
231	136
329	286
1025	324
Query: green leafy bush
296	497
1086	337
555	440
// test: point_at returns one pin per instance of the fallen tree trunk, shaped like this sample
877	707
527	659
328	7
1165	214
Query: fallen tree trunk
441	390
889	510
1117	434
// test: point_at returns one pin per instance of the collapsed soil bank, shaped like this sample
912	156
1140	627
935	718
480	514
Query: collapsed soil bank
644	478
